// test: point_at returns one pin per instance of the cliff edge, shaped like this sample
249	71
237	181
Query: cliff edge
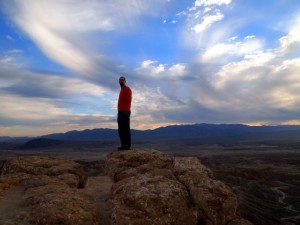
140	187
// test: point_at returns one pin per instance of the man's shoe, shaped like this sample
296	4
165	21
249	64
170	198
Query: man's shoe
123	148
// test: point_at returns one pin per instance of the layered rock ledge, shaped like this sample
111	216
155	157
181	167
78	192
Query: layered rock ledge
142	187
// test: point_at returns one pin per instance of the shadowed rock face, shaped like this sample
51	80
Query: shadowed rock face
154	188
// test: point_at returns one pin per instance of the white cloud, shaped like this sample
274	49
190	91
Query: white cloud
223	52
240	79
291	40
207	9
23	117
244	69
61	28
152	69
84	16
192	8
37	103
12	59
228	75
207	22
149	105
211	2
46	85
178	70
149	68
183	13
207	25
262	74
250	37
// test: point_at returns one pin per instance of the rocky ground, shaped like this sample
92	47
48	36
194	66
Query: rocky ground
138	187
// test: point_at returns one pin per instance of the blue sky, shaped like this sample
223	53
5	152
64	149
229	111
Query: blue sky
194	61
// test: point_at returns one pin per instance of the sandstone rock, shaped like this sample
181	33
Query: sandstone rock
151	200
58	204
154	188
150	188
10	181
190	166
43	191
124	164
42	180
41	165
214	199
146	191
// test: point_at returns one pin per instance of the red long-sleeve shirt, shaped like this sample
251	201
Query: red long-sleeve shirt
124	103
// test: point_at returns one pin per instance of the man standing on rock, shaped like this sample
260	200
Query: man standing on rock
124	105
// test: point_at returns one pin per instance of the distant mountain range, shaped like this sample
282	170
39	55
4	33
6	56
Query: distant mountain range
289	133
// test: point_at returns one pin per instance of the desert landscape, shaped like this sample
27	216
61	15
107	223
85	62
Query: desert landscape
214	82
265	178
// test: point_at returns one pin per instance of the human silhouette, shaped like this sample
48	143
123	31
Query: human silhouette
124	111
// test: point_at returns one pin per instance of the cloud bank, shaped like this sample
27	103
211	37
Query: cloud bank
218	63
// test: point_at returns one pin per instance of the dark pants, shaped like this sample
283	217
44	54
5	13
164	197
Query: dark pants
124	128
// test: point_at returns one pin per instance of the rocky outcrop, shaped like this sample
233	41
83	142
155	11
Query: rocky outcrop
44	190
154	188
213	199
146	191
123	164
142	188
39	167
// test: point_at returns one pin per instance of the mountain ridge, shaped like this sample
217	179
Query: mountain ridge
191	131
194	131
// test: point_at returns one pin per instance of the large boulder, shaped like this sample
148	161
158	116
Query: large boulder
44	190
146	191
191	168
151	200
213	198
66	170
154	188
57	203
123	164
